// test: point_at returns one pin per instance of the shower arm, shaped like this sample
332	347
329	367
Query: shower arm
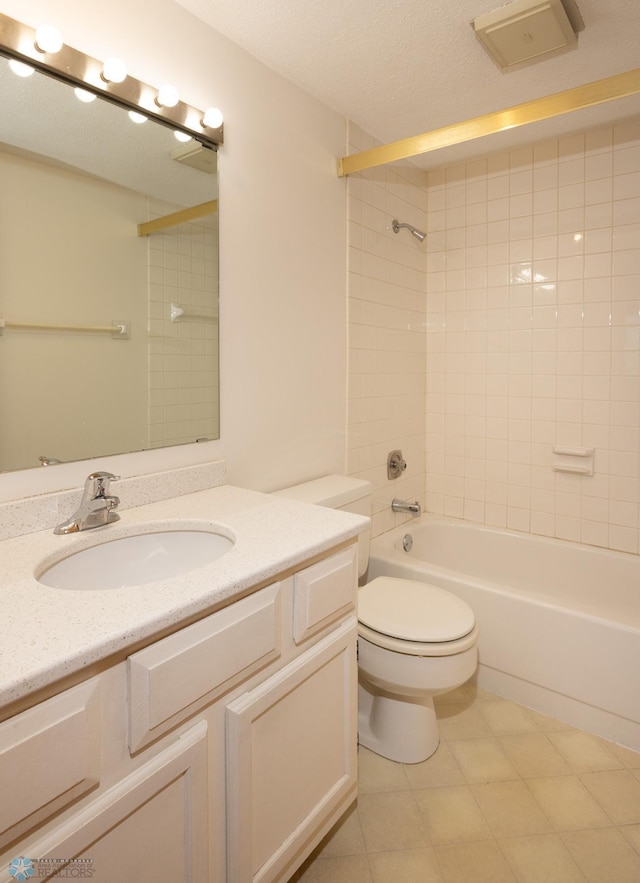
396	225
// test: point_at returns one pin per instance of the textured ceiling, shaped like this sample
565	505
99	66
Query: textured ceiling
402	67
96	138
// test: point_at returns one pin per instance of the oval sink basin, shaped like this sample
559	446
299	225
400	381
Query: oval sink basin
136	560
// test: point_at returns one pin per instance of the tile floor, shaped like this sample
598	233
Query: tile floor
510	796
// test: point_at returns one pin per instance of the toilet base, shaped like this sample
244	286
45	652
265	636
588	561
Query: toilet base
400	729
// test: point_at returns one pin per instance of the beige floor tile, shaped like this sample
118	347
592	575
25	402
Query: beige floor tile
551	794
479	862
510	809
376	774
631	759
345	838
541	859
507	717
618	793
585	753
452	815
545	723
632	833
391	821
405	866
483	760
461	722
481	695
464	695
603	855
347	869
438	770
533	754
567	803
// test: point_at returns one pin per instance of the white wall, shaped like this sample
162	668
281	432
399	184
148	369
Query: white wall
47	379
282	235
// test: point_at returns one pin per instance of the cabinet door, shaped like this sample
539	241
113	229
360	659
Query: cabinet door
291	760
150	827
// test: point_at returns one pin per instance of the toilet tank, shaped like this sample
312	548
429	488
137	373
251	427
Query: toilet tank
338	492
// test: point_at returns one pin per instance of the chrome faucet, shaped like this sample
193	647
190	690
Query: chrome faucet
96	507
404	506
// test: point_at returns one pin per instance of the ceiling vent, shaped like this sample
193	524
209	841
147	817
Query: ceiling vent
527	30
197	156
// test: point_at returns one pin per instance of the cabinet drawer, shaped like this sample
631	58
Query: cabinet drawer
174	677
49	756
324	592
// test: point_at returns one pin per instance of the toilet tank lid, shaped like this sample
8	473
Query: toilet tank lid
330	490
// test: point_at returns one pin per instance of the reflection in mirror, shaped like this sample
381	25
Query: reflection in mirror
108	323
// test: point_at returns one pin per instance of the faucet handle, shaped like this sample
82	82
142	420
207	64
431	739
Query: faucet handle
97	484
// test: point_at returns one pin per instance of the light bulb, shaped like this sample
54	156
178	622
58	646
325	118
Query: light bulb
167	96
83	95
136	117
48	39
114	71
181	136
212	118
20	69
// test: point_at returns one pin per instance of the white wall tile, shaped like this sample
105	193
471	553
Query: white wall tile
554	317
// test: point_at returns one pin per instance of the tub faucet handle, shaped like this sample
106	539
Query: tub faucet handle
396	464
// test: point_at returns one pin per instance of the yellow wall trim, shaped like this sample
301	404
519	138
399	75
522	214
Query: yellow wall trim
578	98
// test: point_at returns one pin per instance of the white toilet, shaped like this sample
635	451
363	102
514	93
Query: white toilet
415	641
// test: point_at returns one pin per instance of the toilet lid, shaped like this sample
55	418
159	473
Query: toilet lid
413	610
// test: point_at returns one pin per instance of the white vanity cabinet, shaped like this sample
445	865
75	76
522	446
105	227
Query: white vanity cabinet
221	753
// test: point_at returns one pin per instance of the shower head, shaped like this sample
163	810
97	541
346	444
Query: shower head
420	236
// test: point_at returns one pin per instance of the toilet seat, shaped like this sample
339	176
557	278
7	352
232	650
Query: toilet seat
418	648
413	617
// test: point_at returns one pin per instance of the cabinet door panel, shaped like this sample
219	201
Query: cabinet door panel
291	754
49	756
150	827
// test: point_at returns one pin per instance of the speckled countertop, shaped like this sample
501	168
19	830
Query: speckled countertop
49	634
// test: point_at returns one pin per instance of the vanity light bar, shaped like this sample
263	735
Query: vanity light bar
18	41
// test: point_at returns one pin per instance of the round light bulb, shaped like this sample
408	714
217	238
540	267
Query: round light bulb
114	71
48	39
167	96
182	136
136	117
83	95
212	118
20	68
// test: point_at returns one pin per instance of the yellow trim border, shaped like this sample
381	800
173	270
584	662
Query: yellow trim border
180	217
578	98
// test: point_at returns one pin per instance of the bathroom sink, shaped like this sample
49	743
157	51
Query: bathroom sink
136	560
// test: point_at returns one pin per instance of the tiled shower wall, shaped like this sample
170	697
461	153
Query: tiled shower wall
183	354
387	322
533	337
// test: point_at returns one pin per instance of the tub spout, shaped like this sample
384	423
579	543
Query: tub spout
404	506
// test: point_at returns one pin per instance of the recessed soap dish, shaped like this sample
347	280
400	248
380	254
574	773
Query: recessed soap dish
571	458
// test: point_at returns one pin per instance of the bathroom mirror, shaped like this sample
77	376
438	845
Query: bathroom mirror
108	333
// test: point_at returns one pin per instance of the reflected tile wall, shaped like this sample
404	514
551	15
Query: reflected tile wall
533	330
387	322
183	354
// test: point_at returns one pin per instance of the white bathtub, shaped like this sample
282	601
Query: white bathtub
559	622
